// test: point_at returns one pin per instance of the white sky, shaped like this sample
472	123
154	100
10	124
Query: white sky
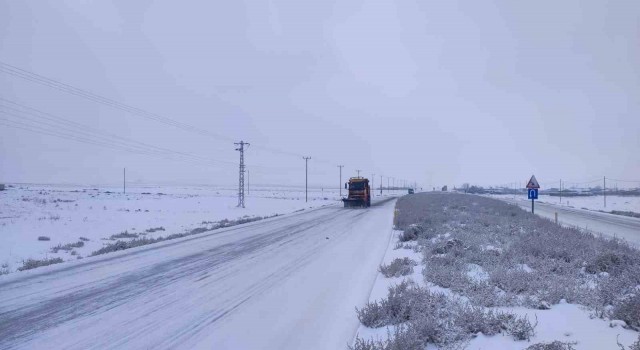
438	92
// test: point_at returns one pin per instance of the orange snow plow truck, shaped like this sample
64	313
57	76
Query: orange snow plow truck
359	193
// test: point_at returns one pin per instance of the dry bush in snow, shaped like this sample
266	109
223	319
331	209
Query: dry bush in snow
556	345
398	267
428	317
4	269
628	310
67	247
32	263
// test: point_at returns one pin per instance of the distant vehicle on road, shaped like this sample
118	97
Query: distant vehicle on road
410	191
359	193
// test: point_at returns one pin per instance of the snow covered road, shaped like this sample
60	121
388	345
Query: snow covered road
624	227
290	282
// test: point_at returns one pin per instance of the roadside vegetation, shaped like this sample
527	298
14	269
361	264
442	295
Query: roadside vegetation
490	254
141	241
626	213
32	263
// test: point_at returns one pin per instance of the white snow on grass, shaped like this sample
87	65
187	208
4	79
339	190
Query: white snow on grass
64	214
476	273
562	322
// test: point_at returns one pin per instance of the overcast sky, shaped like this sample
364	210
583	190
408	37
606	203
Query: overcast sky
438	92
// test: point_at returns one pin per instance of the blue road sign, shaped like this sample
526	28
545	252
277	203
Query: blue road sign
532	193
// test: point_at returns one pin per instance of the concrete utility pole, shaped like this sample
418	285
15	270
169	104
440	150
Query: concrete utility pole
124	180
340	184
306	177
560	191
381	185
241	145
604	190
387	185
373	176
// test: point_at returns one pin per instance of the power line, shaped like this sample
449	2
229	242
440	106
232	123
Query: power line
37	121
72	90
64	87
42	118
132	146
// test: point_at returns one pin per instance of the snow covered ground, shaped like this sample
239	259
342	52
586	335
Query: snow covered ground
621	203
564	322
65	213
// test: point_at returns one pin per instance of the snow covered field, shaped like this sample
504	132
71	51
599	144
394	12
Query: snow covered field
64	214
621	203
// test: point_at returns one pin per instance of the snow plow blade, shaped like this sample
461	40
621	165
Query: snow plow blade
348	203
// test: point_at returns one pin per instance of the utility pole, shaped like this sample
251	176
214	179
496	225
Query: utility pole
388	185
358	172
248	182
241	145
340	183
373	176
394	184
381	185
306	177
560	191
124	180
604	190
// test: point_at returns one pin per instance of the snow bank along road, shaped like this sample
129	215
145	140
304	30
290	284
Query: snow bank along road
624	227
290	282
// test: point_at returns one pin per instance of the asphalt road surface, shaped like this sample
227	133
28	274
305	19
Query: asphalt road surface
289	282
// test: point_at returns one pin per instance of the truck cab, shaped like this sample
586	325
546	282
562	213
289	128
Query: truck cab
359	193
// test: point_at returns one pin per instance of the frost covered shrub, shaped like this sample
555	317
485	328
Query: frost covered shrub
372	315
124	234
610	262
474	319
556	345
402	338
32	263
122	245
67	247
392	310
628	310
4	269
428	317
521	328
398	267
446	271
410	233
513	280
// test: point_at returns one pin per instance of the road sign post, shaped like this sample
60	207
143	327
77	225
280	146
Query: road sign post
532	191
532	194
